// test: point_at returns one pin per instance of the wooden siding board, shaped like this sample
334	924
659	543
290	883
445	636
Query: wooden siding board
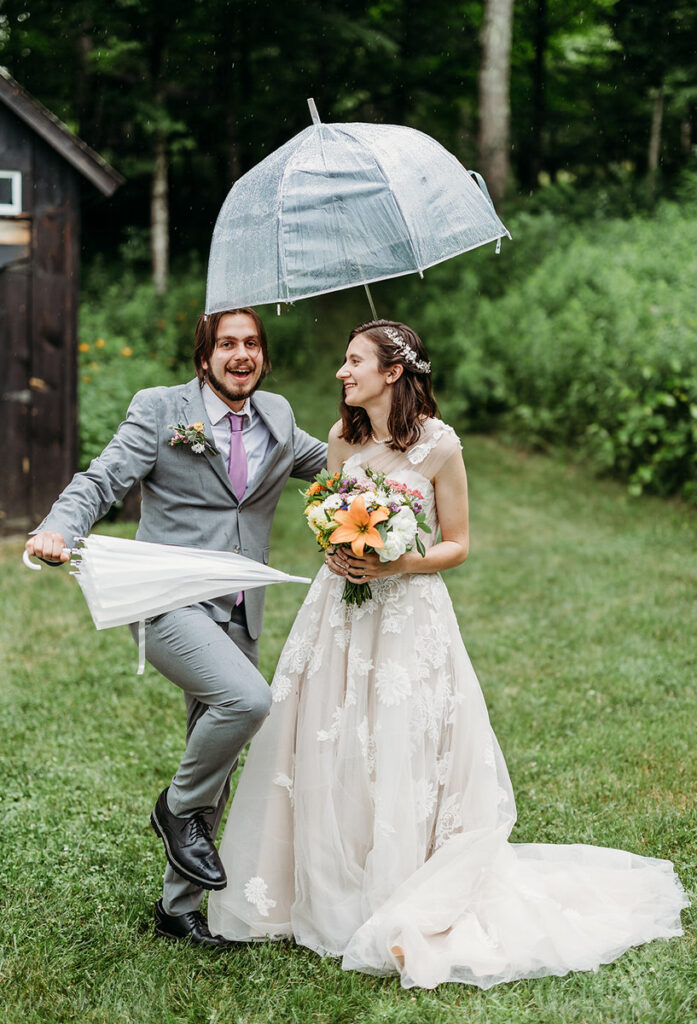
15	410
54	317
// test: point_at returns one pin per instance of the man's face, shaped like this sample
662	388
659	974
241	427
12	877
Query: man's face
237	361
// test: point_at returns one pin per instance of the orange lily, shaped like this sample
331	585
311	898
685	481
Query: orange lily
357	526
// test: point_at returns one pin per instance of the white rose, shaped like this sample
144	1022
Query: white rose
401	533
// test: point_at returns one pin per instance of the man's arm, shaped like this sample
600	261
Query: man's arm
128	457
309	453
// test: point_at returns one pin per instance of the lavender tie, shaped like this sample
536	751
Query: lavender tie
237	467
237	461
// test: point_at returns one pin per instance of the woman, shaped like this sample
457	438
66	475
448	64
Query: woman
372	818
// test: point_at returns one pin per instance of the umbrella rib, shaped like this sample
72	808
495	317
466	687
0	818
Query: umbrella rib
280	249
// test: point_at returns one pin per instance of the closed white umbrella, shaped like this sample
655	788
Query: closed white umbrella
126	581
342	205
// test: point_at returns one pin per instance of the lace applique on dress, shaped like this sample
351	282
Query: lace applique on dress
281	779
418	453
357	669
443	767
367	743
323	735
430	588
449	819
429	709
296	654
392	683
255	892
281	688
425	794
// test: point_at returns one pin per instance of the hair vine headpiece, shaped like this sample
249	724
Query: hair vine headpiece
406	350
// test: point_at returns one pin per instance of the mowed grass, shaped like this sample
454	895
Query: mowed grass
577	606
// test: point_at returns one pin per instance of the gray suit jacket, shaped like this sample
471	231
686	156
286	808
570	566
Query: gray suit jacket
187	499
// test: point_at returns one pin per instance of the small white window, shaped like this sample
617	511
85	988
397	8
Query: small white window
10	192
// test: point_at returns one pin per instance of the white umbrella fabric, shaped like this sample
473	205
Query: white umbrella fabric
126	581
341	205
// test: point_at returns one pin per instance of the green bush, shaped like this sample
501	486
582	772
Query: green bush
585	338
129	339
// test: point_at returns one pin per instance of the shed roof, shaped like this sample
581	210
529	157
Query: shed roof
58	135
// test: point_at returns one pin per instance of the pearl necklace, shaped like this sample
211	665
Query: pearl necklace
385	440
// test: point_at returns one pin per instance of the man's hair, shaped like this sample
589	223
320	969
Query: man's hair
412	393
206	330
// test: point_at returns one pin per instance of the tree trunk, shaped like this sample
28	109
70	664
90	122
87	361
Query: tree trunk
159	216
84	102
494	96
655	137
534	161
686	135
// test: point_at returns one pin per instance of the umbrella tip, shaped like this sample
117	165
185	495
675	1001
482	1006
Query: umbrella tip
313	111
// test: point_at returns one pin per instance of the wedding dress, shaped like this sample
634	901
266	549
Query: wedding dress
372	817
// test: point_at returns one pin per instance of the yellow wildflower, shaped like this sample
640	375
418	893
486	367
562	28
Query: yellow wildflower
84	347
99	343
127	351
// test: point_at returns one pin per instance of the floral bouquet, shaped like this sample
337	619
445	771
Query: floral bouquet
375	514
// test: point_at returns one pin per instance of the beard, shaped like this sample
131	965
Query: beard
233	394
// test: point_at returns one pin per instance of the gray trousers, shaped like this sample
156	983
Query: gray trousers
227	699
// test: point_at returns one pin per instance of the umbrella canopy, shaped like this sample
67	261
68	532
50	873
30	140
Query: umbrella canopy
344	205
126	581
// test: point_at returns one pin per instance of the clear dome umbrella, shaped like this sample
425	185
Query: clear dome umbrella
341	205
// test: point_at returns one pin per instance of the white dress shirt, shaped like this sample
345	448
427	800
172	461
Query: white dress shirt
255	433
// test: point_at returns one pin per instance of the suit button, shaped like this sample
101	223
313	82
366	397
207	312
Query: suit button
236	549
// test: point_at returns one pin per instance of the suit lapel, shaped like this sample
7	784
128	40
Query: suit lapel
196	411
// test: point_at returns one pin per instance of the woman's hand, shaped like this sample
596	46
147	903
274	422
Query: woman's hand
342	561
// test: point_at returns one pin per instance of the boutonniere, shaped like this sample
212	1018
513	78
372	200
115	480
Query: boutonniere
193	436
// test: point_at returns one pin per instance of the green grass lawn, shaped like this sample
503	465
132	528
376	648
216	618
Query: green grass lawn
577	607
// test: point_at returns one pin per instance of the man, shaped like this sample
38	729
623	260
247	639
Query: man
221	500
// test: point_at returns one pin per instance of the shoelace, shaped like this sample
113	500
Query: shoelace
200	828
194	918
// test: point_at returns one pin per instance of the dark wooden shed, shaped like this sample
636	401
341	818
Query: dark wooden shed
43	167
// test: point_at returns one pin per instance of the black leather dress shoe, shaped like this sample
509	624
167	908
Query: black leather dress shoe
189	927
188	845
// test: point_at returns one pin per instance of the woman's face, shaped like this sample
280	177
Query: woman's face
363	381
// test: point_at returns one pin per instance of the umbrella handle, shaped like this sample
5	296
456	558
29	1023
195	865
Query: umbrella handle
37	568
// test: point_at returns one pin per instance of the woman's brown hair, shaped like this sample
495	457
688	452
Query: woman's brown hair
206	330
412	392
